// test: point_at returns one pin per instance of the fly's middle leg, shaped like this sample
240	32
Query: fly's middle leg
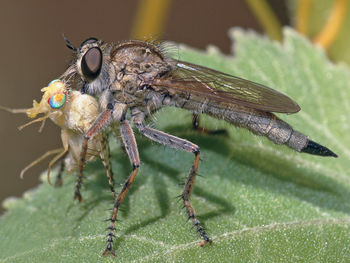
181	144
132	151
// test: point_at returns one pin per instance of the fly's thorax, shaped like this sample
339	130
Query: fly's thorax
152	102
134	65
136	54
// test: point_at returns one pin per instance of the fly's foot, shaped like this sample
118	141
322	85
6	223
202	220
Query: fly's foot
200	230
77	196
205	240
109	250
196	223
196	126
58	182
210	132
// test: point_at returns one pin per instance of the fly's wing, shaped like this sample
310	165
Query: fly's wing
221	88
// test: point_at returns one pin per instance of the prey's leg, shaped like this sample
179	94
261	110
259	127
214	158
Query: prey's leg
101	122
105	155
33	121
187	146
131	148
41	158
196	126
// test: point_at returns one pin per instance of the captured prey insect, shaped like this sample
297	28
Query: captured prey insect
133	79
74	113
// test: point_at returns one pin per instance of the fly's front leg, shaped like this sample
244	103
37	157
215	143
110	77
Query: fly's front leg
101	122
106	160
187	146
64	138
131	148
59	180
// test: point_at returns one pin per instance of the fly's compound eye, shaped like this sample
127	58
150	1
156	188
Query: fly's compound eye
91	63
90	40
57	101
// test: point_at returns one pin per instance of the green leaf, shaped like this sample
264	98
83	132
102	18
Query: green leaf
260	202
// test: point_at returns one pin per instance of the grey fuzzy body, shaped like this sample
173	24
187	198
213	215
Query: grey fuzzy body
137	77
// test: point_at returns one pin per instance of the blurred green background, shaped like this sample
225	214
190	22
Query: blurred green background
33	52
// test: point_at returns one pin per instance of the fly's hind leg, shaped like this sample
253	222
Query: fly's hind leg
129	141
196	126
181	144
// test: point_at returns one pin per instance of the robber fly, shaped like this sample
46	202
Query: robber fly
74	113
134	79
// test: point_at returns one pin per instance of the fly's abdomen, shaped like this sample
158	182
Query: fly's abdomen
259	122
281	132
269	125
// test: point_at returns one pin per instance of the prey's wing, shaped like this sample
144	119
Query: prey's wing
221	88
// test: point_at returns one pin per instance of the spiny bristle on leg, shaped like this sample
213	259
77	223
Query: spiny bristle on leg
317	149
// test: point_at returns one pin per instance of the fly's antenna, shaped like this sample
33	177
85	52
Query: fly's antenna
69	44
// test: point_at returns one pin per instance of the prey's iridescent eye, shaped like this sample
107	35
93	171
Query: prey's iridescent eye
57	101
54	81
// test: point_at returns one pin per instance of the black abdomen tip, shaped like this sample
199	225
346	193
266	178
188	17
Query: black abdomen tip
317	149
